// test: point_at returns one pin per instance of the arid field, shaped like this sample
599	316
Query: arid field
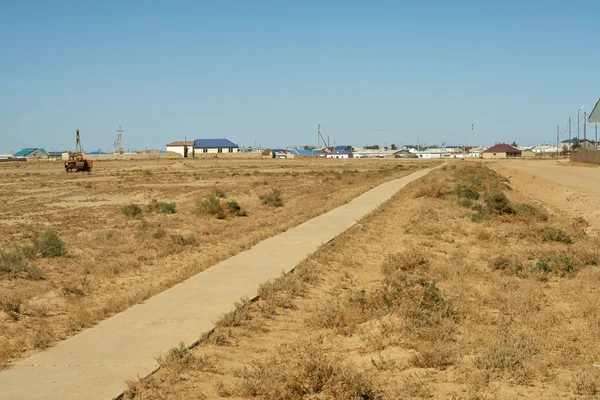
77	248
460	287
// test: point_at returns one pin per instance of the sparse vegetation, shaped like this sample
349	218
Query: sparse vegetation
49	244
131	210
161	207
210	206
497	203
234	209
272	199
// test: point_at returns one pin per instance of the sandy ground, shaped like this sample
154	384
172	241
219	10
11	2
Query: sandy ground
460	287
114	261
571	188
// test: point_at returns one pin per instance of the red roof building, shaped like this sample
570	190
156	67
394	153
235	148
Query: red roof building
502	150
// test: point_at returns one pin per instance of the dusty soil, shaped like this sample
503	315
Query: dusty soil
113	260
460	287
569	187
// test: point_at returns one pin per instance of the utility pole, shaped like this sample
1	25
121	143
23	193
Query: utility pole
596	141
557	128
585	149
318	134
472	135
569	131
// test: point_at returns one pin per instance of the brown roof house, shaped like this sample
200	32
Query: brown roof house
502	151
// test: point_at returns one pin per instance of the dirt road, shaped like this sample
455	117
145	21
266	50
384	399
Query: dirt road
573	189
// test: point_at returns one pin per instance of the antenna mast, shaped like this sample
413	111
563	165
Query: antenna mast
118	143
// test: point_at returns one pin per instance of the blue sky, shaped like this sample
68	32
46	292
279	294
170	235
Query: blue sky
267	72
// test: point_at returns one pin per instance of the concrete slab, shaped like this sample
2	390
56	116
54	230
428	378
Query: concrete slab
96	363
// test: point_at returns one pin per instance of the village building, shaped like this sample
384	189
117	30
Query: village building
31	153
268	153
502	150
340	154
215	146
185	148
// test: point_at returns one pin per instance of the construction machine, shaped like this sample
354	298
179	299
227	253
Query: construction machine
76	162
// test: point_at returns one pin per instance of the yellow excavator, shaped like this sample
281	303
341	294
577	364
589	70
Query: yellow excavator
76	162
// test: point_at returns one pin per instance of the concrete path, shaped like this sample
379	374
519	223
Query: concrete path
96	363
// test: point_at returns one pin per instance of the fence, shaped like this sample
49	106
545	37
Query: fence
586	156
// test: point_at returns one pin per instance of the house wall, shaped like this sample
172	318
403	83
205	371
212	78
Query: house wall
37	154
216	150
338	156
527	154
494	155
179	150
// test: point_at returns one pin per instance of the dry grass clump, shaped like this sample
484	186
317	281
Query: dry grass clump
238	317
272	199
235	209
587	381
181	240
49	244
406	261
281	291
210	206
161	207
131	210
305	370
14	264
497	203
503	263
507	354
552	234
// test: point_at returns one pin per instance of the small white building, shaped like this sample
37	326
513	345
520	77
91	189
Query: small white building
340	154
215	146
186	149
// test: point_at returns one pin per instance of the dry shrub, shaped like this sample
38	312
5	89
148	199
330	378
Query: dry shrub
272	199
587	381
435	354
210	206
235	209
131	210
13	265
238	317
406	261
503	263
507	354
497	203
160	206
552	234
305	370
342	315
281	291
180	357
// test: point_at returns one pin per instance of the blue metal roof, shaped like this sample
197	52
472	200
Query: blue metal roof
27	150
214	144
342	147
575	140
97	152
303	152
342	152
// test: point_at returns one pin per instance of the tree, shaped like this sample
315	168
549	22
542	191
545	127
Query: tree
576	145
309	147
394	147
565	148
513	144
373	147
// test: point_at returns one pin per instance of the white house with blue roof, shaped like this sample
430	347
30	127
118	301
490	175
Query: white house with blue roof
215	146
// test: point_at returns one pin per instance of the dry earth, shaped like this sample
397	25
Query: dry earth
458	288
570	187
70	256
